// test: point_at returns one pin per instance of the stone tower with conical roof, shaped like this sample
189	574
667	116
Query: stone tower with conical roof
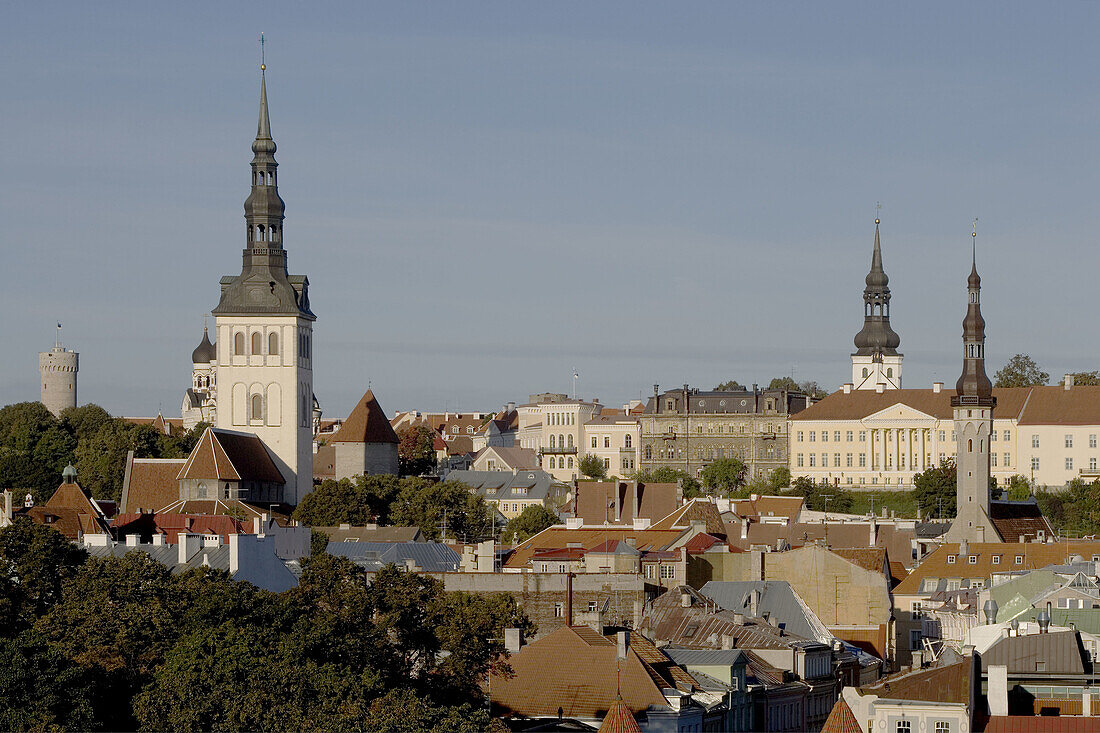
973	405
876	360
265	330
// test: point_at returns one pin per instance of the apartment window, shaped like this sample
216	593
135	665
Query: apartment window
972	559
943	436
798	460
593	441
1092	440
812	436
1034	441
862	436
848	460
952	436
1019	559
591	606
836	436
993	437
607	441
668	571
942	726
824	460
627	441
993	459
559	610
914	644
607	463
1008	460
813	460
1035	463
824	436
1069	441
836	460
863	460
1092	464
1008	435
1069	464
798	437
996	560
1063	603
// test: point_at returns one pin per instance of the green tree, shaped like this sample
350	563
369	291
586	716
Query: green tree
35	562
935	490
667	475
784	383
415	453
530	522
357	501
724	476
34	448
814	495
1020	371
730	386
1019	488
1086	379
592	466
427	504
779	479
403	711
41	689
318	542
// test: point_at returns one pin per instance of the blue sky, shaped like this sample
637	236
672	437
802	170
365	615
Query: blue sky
487	195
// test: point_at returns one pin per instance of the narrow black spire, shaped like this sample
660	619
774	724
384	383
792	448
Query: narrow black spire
974	386
877	337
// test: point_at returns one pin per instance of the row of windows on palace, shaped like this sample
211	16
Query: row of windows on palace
305	342
566	441
709	453
716	429
1067	441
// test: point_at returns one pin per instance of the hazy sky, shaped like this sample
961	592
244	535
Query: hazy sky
487	195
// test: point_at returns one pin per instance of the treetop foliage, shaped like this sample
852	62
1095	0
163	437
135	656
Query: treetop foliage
1020	371
530	522
592	466
415	454
123	644
730	386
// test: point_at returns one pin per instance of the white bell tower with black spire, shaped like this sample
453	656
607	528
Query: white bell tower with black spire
265	331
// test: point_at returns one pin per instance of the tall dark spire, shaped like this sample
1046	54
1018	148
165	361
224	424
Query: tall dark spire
974	386
877	338
263	285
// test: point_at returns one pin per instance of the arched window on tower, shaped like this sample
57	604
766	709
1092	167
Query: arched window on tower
260	233
970	446
274	233
553	442
273	343
570	440
626	440
257	344
257	412
238	344
889	372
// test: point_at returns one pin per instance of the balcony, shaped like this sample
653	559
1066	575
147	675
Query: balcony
557	451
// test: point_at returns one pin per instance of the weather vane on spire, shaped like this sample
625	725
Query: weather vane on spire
974	242
878	210
263	58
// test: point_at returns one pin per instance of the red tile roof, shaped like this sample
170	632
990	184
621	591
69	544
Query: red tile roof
1038	724
151	483
841	719
367	423
619	719
228	455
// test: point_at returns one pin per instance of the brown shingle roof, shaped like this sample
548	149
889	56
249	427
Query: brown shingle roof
950	683
577	670
841	719
1013	519
868	558
619	719
1060	406
859	404
1039	724
227	455
367	423
1034	555
151	483
768	506
695	510
557	537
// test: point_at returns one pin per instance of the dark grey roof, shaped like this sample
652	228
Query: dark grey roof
430	557
931	530
205	352
777	602
1058	652
504	486
706	657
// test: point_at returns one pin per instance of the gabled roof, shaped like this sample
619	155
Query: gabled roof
150	484
577	670
768	506
227	455
595	502
1033	555
860	403
776	599
1060	652
72	496
367	423
1013	519
511	458
695	510
841	719
558	537
949	683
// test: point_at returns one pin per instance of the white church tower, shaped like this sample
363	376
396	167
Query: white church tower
265	331
876	360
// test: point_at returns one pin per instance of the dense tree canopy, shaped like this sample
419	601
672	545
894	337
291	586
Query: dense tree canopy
592	466
724	476
935	490
35	447
430	504
1086	379
533	520
123	644
821	496
415	453
358	501
1020	371
730	386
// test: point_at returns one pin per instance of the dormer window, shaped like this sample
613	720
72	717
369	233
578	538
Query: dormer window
950	559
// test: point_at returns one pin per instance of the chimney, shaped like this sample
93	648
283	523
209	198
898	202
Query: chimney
574	522
1068	382
990	611
727	641
133	540
756	565
739	619
754	603
1043	619
234	553
847	387
255	525
998	689
745	528
513	640
880	388
641	522
685	599
964	548
937	387
158	539
918	659
188	545
569	599
871	538
8	506
622	643
1086	703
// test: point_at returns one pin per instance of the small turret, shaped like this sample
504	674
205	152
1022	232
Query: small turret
205	352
